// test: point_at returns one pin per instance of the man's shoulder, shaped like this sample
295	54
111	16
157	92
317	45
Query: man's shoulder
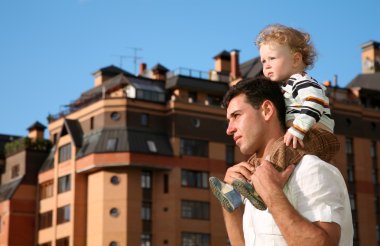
313	163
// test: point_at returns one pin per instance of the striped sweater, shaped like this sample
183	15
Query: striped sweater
306	104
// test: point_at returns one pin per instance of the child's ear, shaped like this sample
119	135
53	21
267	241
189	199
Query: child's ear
297	59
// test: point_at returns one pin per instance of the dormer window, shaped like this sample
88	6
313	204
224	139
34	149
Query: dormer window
151	146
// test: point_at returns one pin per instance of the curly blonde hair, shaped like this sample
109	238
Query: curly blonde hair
297	41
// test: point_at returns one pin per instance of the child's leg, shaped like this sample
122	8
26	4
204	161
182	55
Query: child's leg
321	143
281	156
229	198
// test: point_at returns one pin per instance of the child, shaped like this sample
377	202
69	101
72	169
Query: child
285	54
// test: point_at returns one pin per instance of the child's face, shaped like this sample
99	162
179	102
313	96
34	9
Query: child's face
278	61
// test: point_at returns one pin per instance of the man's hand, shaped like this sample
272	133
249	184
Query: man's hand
291	139
268	182
242	170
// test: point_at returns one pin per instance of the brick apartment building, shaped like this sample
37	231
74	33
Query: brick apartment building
128	162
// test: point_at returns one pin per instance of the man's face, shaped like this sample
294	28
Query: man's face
277	61
246	125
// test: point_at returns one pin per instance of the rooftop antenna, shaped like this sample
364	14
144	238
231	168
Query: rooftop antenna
135	57
121	57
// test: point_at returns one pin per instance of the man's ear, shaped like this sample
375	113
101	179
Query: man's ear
268	109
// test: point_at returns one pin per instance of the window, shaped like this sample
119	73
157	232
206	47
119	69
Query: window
151	146
113	243
64	184
146	211
193	147
55	137
64	153
144	119
196	179
15	171
214	100
145	239
146	179
230	154
373	150
115	180
115	116
63	214
111	144
166	183
91	123
45	220
196	122
195	210
150	95
349	149
199	239
46	189
114	212
45	244
192	97
63	242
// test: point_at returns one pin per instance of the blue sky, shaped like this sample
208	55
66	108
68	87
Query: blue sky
50	48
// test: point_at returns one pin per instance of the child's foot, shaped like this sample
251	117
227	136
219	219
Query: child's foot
247	190
225	193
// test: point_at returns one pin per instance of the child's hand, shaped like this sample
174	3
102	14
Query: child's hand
289	138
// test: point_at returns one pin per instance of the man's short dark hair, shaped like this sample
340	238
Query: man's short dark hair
257	90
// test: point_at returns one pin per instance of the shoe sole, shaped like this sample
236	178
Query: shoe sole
214	184
250	194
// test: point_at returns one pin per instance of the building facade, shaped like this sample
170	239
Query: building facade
129	159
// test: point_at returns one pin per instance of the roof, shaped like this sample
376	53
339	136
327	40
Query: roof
366	81
49	161
147	84
74	128
117	81
124	140
7	190
224	55
36	125
251	68
197	84
112	70
160	67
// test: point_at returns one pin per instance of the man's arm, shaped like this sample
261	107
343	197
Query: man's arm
234	226
295	228
234	220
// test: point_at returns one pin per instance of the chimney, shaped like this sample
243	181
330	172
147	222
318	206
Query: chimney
223	62
142	69
371	57
159	72
36	131
235	67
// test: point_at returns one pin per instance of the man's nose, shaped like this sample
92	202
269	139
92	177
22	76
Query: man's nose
230	129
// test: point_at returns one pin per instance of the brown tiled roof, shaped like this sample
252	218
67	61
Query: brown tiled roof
366	81
251	68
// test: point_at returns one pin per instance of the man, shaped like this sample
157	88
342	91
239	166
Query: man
307	204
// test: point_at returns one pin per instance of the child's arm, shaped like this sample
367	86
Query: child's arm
290	138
